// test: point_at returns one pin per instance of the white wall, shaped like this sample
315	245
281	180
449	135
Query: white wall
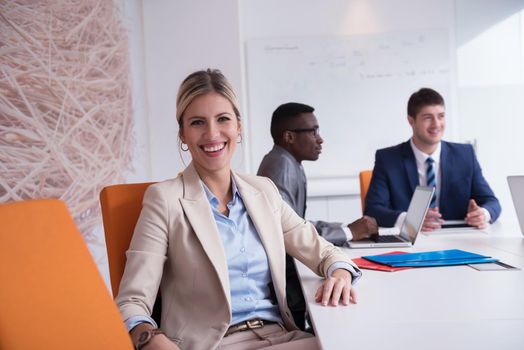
490	85
132	17
180	37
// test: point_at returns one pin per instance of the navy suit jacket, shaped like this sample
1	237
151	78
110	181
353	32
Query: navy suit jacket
395	178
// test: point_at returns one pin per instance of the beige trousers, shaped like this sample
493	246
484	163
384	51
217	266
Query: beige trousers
270	337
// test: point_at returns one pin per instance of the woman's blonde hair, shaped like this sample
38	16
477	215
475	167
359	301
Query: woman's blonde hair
200	83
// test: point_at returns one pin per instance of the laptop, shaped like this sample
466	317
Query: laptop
411	227
516	187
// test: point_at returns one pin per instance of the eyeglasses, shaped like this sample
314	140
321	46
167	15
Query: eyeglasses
314	131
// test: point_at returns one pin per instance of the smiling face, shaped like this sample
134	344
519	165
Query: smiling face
428	127
210	129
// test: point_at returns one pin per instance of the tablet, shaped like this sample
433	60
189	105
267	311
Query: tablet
496	266
455	224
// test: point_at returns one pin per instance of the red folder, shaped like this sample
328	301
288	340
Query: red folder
366	264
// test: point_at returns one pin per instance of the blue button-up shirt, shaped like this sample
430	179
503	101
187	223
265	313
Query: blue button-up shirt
249	274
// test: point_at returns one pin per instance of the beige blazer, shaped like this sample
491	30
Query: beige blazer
176	247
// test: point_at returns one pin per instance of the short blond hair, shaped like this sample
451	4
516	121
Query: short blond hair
200	83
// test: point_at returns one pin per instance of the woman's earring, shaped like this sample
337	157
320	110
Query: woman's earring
239	138
182	147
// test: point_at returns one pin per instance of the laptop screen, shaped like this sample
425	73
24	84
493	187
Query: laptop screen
516	187
416	212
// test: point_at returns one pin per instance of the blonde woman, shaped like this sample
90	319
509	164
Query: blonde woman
214	243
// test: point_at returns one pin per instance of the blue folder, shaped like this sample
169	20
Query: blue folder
435	258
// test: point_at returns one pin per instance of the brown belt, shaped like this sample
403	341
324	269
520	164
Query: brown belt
247	325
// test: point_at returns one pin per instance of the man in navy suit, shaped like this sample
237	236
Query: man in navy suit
462	193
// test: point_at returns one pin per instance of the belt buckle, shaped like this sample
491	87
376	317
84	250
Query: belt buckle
254	324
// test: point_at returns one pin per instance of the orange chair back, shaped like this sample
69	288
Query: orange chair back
121	206
365	179
51	292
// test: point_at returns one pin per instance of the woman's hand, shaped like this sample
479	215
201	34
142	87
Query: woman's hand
158	342
335	288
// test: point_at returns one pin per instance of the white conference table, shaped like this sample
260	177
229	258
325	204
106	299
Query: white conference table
454	307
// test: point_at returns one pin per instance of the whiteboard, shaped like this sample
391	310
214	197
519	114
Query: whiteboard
359	86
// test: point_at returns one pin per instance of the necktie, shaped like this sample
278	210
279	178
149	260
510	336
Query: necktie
431	180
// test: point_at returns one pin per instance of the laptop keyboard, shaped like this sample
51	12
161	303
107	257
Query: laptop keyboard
387	239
